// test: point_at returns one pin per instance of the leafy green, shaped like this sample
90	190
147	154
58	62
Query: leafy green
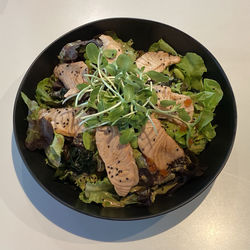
178	74
139	159
175	131
82	86
88	140
206	116
129	93
103	192
111	69
162	45
157	76
44	93
124	62
183	114
127	135
214	87
53	152
198	143
92	52
40	131
209	131
192	67
166	103
162	190
32	106
110	53
176	88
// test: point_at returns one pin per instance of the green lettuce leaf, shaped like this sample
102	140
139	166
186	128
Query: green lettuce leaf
103	192
162	190
209	131
162	45
53	152
198	143
192	66
39	132
213	87
88	140
175	132
44	92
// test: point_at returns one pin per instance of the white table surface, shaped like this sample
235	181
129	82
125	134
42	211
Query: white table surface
31	219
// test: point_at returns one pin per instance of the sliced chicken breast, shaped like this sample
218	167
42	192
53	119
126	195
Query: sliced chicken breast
71	74
120	164
63	120
165	93
156	61
160	149
110	43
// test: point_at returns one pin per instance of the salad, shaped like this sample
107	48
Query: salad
123	125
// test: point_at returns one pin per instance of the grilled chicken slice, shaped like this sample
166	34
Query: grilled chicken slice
165	93
156	61
160	148
110	43
119	161
63	120
71	74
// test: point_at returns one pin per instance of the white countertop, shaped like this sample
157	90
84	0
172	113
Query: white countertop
31	219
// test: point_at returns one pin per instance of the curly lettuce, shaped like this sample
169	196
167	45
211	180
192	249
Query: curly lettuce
40	131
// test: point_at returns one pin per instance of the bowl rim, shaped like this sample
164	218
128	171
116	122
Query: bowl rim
150	215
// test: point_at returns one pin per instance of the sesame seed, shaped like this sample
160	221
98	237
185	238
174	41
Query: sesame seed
108	146
120	180
127	178
118	162
154	139
111	176
67	65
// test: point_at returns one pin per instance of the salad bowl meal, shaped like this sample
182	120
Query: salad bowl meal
125	119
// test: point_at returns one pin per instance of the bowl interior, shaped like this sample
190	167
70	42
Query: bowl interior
143	33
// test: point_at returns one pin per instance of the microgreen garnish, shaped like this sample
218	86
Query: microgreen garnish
122	95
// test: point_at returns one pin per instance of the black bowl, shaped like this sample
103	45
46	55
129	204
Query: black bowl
144	33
